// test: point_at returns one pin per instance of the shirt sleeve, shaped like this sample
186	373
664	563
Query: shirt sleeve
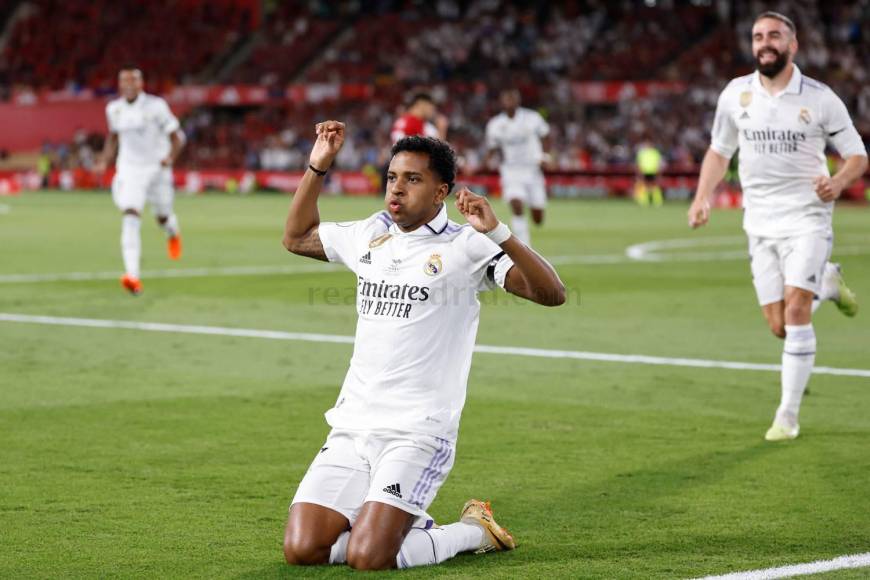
542	129
112	128
840	132
167	122
491	138
723	137
489	263
343	241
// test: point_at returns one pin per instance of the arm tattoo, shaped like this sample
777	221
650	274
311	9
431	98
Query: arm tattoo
310	246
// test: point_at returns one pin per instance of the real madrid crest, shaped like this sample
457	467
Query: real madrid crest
433	265
804	116
745	98
380	240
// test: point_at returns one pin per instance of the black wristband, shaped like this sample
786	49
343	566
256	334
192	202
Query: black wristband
317	171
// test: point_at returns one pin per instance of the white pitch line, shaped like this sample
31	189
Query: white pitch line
179	273
481	348
653	251
645	252
245	271
817	567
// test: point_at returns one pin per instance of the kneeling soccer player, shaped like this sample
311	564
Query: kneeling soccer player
363	501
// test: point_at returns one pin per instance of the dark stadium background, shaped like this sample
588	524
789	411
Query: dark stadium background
249	78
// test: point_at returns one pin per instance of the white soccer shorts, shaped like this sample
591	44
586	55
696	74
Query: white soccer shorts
798	261
403	470
526	184
131	188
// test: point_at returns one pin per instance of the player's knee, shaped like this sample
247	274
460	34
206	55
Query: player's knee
162	219
777	327
301	550
798	310
368	556
516	207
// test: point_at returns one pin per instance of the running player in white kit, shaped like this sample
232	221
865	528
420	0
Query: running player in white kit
148	139
520	136
781	120
394	425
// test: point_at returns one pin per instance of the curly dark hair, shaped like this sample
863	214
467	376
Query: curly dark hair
442	158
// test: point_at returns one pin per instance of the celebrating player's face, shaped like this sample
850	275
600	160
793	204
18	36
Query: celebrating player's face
130	83
773	44
414	191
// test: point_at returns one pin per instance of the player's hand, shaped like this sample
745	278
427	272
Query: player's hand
699	213
476	210
827	188
166	162
330	138
100	166
548	163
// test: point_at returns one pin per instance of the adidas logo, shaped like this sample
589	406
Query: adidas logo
394	489
745	115
812	279
366	258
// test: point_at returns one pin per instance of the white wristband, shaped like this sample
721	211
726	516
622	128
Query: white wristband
499	234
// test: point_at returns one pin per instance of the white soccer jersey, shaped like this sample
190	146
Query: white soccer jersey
143	129
782	142
518	137
418	314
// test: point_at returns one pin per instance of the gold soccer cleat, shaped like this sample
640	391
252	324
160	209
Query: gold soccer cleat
495	537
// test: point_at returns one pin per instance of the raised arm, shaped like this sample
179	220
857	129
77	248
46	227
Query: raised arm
300	231
531	276
713	169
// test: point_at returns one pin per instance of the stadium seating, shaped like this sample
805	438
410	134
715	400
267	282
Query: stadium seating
83	43
464	52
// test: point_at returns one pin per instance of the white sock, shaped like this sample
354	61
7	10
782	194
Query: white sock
171	226
433	546
798	357
131	243
520	228
338	553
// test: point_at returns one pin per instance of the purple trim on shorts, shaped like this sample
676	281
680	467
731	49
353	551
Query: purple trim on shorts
418	487
436	474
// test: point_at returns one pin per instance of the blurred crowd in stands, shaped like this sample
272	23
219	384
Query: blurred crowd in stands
462	52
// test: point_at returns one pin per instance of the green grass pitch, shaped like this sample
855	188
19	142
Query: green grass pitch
142	454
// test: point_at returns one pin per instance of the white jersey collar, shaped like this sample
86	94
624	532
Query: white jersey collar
436	226
793	87
140	98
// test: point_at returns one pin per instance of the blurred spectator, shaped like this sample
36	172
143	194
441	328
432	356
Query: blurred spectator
463	52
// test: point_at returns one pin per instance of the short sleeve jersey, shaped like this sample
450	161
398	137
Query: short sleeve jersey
518	137
418	311
410	125
143	129
782	141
